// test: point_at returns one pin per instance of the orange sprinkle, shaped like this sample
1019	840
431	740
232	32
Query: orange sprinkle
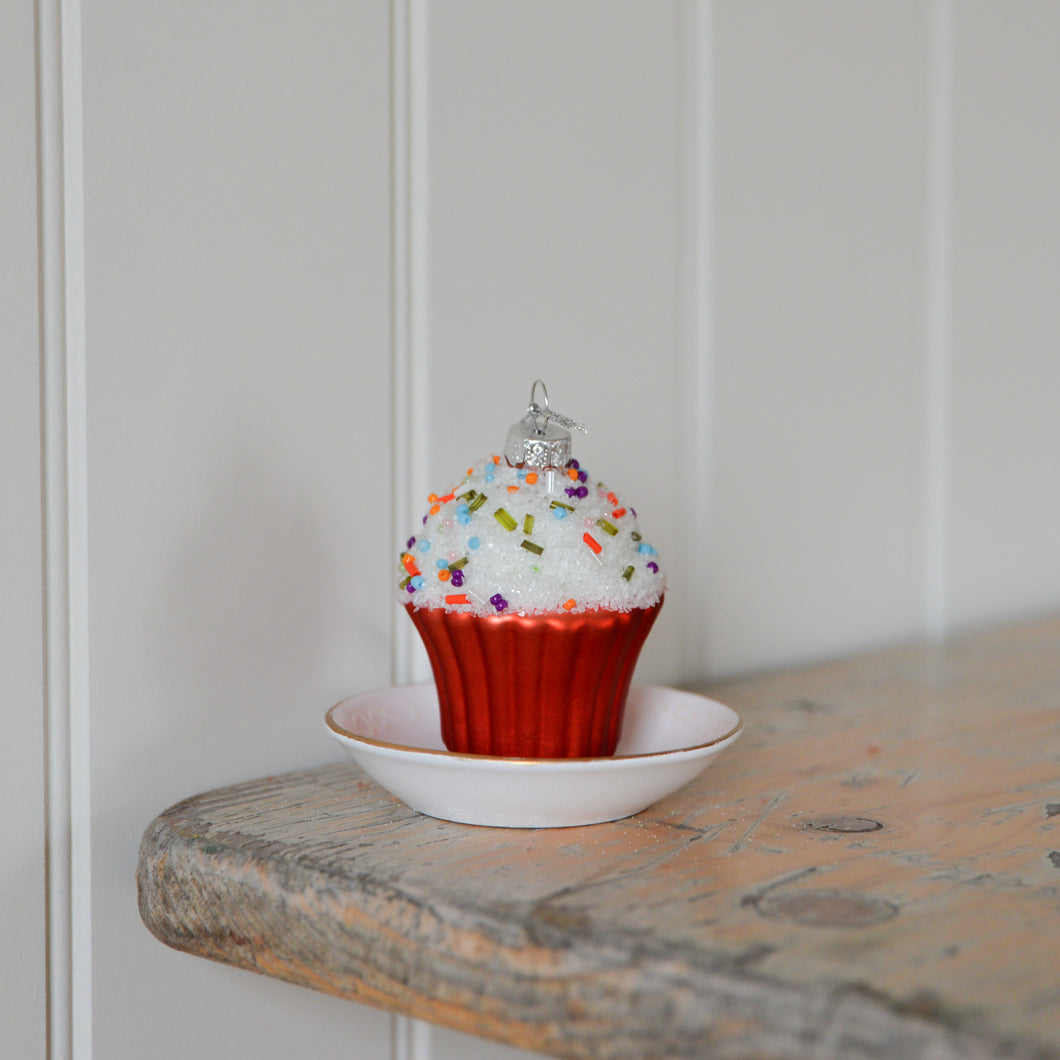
513	489
432	498
570	605
457	598
470	472
435	509
619	512
591	542
496	459
446	499
409	564
612	498
531	477
572	474
444	575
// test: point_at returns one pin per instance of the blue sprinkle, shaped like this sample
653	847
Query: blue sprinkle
463	518
441	564
472	542
560	513
418	582
647	550
425	546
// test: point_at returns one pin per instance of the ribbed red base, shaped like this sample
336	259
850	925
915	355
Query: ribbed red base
533	686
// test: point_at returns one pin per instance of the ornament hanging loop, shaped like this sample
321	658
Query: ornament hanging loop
535	410
541	439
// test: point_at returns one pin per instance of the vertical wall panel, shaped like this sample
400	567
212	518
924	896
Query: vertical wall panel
22	966
553	133
820	174
553	252
451	1045
237	175
1005	441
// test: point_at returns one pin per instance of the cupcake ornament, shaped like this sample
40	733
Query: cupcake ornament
533	589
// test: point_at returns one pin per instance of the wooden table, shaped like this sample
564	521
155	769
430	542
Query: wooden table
873	870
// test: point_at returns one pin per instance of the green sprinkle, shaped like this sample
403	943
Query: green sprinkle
635	536
504	519
459	564
528	525
405	581
608	528
480	499
627	573
470	493
560	504
531	547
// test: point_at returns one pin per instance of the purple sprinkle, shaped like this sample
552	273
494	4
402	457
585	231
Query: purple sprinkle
411	542
653	567
457	577
410	587
633	511
570	491
425	520
498	601
582	476
574	464
582	491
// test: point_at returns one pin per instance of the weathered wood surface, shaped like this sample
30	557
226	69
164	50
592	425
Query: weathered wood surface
872	871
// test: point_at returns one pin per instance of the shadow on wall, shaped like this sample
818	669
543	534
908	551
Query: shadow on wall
252	618
247	633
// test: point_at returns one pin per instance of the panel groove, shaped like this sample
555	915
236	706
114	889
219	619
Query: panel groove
410	349
64	476
695	318
410	353
936	472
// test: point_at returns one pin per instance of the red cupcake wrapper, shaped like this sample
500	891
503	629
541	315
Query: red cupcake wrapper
533	686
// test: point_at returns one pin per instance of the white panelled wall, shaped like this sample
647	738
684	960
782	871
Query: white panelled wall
273	270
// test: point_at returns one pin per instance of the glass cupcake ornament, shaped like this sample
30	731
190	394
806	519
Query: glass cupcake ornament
533	590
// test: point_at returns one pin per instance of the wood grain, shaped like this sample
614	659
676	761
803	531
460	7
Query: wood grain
873	871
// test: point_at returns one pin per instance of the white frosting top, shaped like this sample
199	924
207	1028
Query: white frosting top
501	540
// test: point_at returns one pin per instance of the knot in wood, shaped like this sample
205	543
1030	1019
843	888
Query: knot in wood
836	822
825	908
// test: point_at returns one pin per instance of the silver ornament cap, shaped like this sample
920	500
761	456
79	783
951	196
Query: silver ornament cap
541	439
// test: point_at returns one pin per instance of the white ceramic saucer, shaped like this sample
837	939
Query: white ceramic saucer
668	737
